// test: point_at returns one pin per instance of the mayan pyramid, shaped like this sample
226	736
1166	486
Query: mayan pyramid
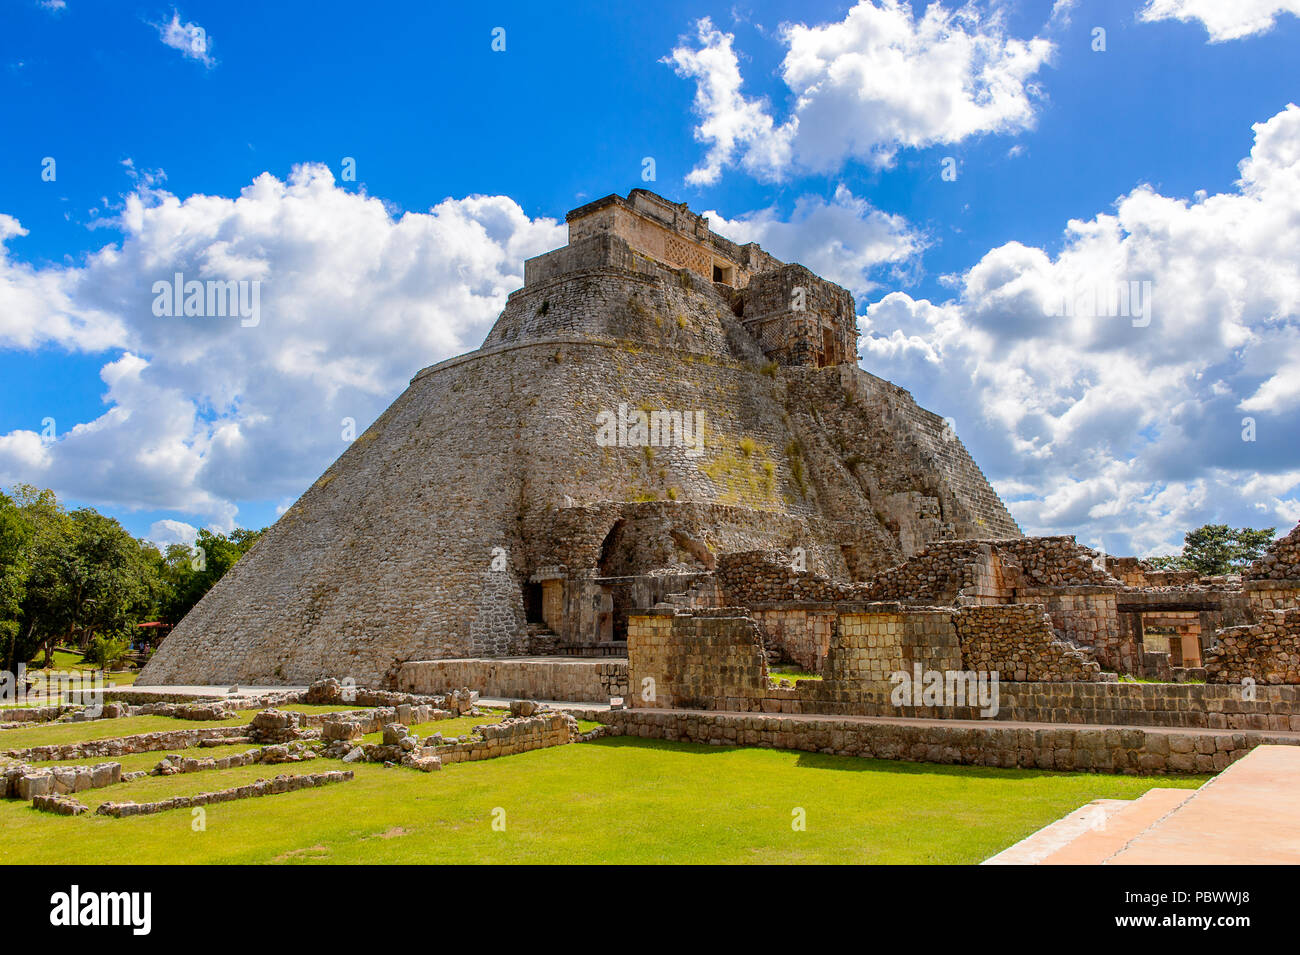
654	395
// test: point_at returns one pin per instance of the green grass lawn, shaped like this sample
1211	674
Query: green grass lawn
615	800
457	726
792	673
67	660
50	734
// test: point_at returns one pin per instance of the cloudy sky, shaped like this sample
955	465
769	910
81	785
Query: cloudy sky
987	179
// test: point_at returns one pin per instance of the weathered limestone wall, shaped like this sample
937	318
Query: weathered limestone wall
1018	643
1268	595
871	645
1090	749
698	662
716	662
511	737
571	680
1086	616
800	634
1266	652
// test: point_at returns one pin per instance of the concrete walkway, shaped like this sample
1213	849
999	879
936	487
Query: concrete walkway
1247	815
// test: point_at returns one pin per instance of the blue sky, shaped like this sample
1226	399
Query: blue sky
837	122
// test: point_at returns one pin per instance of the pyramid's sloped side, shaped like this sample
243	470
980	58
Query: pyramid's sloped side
382	558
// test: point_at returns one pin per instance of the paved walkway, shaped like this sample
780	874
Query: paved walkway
1249	814
218	691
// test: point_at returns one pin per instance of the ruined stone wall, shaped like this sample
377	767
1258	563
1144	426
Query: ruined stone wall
1086	616
1266	652
873	644
758	579
510	738
1267	595
947	572
1018	643
576	680
800	634
695	662
1281	560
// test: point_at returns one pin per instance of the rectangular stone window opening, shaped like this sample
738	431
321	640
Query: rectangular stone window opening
724	273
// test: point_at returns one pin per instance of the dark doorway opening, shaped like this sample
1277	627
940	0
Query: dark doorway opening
533	603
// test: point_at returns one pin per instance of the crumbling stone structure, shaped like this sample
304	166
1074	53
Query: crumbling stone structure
1265	652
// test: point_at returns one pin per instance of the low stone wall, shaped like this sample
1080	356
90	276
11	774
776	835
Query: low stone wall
21	781
1267	652
263	787
203	712
32	714
124	745
59	805
1087	748
573	680
1018	642
139	697
269	755
512	736
332	692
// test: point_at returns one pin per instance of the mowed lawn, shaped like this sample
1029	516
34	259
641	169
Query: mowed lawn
53	734
614	800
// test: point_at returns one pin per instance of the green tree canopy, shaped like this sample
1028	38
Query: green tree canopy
80	577
1216	549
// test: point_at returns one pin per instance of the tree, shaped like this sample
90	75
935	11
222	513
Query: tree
1216	549
15	529
80	577
48	556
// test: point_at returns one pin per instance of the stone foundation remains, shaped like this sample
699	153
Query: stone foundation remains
262	787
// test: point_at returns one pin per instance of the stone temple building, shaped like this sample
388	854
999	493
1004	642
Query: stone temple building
654	397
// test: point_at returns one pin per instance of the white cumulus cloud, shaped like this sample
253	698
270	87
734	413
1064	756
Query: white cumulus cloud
1128	424
204	412
879	80
1223	19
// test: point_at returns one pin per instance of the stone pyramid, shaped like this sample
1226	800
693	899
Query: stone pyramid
654	395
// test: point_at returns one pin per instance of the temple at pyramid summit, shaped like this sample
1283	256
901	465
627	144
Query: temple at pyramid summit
664	460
